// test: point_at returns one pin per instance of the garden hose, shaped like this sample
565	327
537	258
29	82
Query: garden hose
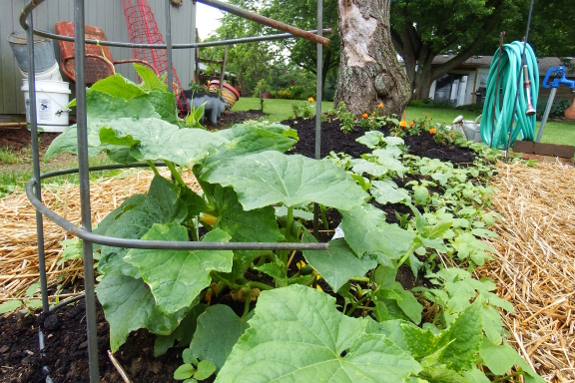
510	69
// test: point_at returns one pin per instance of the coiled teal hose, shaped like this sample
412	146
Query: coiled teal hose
510	68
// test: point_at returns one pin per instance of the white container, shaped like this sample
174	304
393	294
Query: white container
52	99
52	74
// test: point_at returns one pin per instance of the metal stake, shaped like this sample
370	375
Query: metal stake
36	162
169	46
518	83
318	99
496	98
84	175
546	114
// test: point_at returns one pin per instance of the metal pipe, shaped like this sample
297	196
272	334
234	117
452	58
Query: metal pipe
318	100
84	173
496	98
86	235
242	40
36	165
546	114
67	301
518	83
169	47
265	21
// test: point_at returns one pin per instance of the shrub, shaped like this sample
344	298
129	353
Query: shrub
285	94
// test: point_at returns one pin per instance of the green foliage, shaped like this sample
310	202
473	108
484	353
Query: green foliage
249	191
303	109
284	94
319	337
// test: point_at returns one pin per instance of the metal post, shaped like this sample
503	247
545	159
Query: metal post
169	46
318	99
518	83
36	162
193	57
546	114
84	175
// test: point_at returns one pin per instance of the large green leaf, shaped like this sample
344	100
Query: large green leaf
183	334
460	341
176	277
150	82
258	225
219	328
129	305
297	335
134	218
338	264
360	166
270	177
387	191
245	139
160	140
117	86
366	231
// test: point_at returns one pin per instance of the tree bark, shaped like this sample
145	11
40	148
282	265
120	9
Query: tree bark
369	71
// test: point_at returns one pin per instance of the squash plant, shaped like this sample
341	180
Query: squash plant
252	192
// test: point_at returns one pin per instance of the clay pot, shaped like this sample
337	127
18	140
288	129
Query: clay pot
570	112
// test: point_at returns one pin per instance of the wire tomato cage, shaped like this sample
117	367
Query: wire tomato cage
143	22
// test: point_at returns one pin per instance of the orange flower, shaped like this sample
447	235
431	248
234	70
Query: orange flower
311	99
426	115
412	124
432	131
209	83
452	134
380	105
365	115
403	124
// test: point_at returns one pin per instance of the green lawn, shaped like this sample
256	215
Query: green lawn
277	110
556	132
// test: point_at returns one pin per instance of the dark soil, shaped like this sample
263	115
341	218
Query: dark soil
333	139
20	138
66	354
65	357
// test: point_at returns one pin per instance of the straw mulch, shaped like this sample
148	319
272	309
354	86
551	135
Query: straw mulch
18	241
535	268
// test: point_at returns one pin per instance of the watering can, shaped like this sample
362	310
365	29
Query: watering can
470	129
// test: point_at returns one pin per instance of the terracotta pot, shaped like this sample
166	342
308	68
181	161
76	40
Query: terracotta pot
570	112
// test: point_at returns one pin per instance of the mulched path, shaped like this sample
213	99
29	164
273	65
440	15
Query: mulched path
65	355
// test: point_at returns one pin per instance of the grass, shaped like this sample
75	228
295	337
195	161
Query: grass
277	110
8	156
556	132
15	175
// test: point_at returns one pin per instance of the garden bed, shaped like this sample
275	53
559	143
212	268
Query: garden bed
378	324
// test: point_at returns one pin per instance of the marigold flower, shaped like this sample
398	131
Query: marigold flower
365	115
412	124
432	131
452	134
403	124
426	115
209	83
311	99
380	105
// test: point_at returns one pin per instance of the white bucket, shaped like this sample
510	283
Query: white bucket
52	74
52	99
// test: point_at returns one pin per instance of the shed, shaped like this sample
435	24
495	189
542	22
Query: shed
106	14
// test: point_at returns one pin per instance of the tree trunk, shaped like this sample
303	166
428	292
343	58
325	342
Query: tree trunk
369	72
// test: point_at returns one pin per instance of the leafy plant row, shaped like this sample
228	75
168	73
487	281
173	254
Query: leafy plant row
281	327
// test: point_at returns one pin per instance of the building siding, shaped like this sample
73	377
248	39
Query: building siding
106	14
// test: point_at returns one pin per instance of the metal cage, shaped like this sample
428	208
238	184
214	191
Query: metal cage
34	186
